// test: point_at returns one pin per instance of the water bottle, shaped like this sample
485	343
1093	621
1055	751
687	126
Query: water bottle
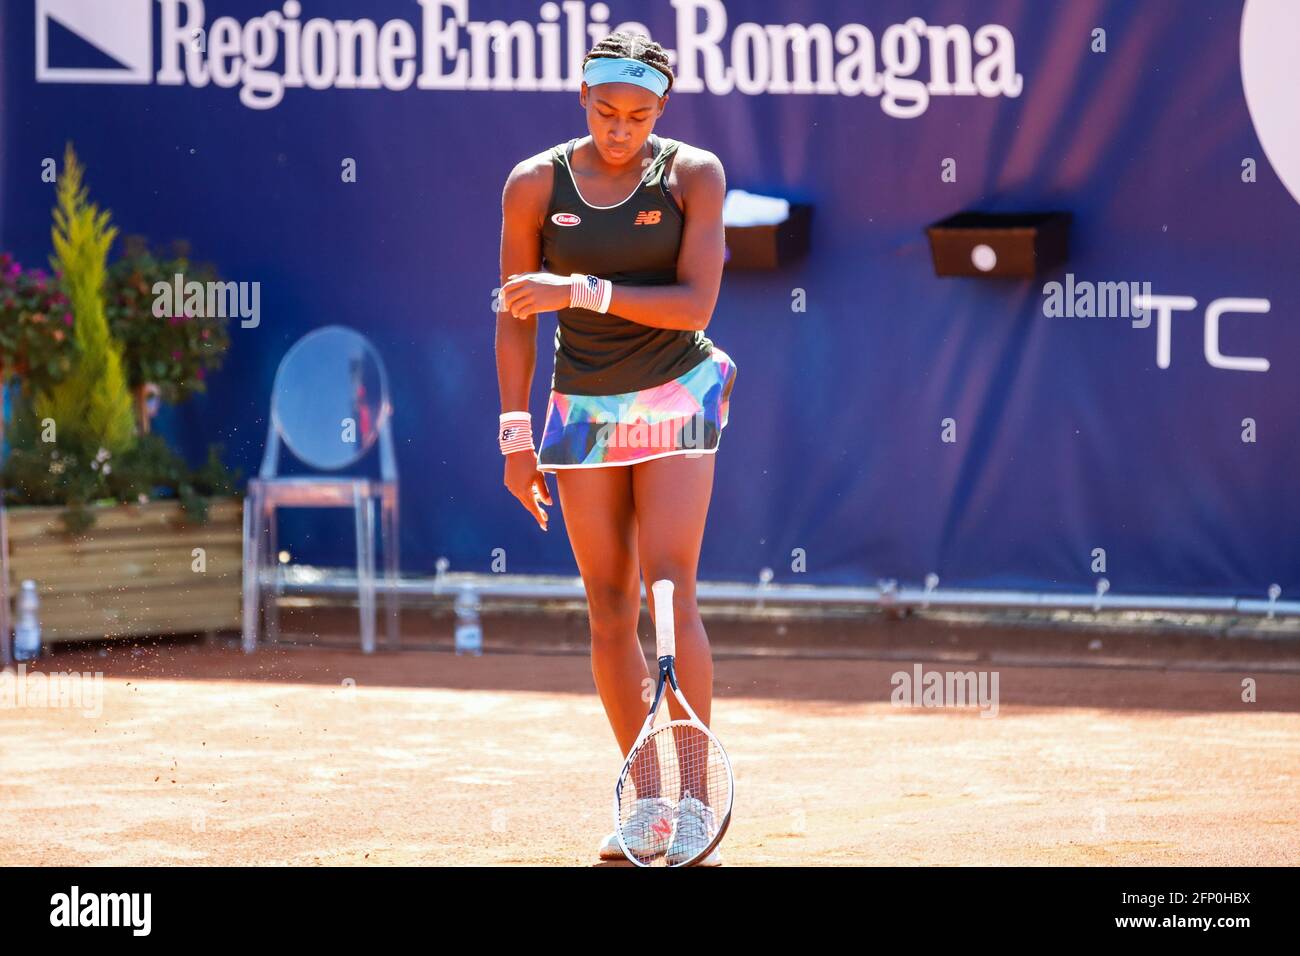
469	634
27	635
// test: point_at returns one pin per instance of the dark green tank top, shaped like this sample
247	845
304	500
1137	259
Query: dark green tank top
634	242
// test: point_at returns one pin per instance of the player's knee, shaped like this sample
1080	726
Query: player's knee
612	607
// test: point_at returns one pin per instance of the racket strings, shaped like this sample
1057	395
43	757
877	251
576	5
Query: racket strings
676	789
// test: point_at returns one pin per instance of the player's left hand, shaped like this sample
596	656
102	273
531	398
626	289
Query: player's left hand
528	293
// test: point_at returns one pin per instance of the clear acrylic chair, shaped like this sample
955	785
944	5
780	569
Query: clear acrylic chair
329	405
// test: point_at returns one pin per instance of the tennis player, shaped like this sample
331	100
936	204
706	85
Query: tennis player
620	233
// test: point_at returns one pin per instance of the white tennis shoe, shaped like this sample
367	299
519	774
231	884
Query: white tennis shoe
693	827
648	830
610	850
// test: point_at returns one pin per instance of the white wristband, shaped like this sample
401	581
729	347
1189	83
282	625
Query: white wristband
590	292
516	432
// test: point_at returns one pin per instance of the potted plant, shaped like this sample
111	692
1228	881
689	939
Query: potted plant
121	535
166	357
37	347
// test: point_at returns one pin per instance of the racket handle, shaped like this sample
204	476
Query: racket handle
665	641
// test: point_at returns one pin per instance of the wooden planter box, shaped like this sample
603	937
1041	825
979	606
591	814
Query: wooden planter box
132	572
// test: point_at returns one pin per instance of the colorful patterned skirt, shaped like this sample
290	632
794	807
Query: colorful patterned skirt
682	417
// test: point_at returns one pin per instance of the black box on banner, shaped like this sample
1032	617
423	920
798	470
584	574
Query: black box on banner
999	244
770	246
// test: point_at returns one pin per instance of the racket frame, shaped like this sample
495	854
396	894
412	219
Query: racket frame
666	649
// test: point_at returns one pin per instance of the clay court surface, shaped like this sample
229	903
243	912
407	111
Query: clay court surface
304	755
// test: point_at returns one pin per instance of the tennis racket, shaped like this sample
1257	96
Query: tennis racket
672	802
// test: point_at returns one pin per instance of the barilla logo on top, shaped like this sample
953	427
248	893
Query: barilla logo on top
566	219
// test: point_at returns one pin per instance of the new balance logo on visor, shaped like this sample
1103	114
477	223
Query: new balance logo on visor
648	218
631	70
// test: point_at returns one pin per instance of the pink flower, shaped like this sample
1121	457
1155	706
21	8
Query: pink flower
205	334
176	356
67	318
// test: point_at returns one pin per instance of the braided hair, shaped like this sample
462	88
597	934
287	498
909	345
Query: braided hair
634	46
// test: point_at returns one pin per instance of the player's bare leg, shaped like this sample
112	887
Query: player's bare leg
671	497
601	522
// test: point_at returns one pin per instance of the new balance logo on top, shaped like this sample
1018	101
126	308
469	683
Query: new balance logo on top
631	70
648	218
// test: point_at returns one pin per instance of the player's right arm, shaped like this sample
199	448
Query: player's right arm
523	207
